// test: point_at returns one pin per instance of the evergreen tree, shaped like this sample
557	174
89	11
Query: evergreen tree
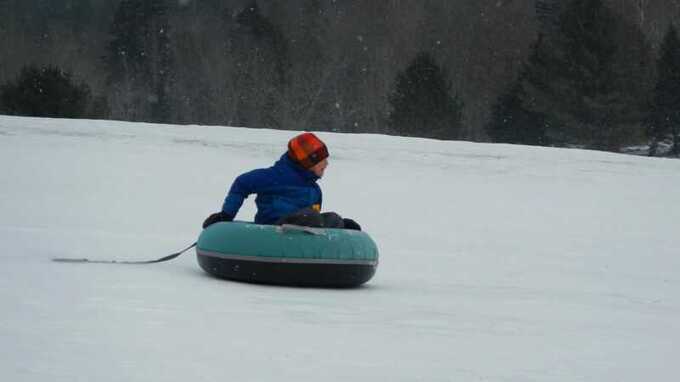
422	104
511	122
309	103
547	13
664	118
162	62
260	53
582	77
45	92
140	61
266	34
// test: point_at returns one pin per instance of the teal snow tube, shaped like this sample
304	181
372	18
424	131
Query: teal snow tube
287	255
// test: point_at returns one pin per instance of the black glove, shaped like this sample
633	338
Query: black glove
217	217
351	224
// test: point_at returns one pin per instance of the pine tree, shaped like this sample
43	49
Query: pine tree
309	104
45	92
547	13
140	61
511	122
422	104
664	118
162	61
257	25
260	53
582	78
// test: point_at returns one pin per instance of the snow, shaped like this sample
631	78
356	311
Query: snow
498	262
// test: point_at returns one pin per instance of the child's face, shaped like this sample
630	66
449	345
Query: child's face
319	168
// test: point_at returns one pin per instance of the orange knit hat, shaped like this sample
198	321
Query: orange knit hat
307	150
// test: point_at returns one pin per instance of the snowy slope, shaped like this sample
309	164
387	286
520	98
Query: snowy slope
498	262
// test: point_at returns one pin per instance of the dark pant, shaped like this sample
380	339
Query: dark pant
310	218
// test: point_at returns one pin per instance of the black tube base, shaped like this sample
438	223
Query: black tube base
292	274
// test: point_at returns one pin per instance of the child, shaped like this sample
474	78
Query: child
287	192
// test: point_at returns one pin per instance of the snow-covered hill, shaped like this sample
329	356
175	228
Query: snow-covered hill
498	262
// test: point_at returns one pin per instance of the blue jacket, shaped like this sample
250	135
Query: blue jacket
281	189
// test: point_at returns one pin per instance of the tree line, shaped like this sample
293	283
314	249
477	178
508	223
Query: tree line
576	73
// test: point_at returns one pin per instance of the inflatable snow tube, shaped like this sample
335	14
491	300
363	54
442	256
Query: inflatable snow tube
287	255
